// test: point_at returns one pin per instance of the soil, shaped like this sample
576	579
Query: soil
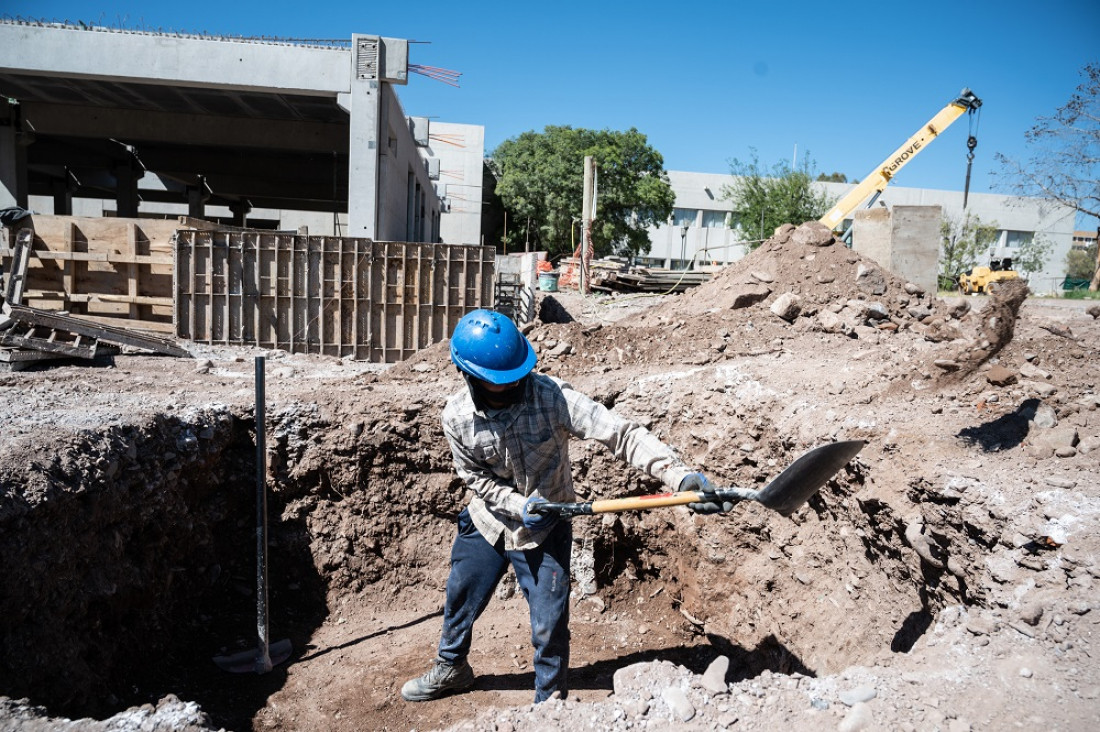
945	579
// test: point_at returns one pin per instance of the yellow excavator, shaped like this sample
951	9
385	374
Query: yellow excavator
876	182
987	279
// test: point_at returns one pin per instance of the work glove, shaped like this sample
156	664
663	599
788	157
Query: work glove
537	521
698	482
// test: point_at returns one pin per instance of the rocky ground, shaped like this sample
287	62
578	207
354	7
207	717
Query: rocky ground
945	580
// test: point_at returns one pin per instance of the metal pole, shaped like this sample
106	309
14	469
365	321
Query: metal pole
263	655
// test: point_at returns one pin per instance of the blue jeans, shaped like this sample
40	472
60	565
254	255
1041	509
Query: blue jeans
543	575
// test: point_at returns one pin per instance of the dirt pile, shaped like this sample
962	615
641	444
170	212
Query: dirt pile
946	579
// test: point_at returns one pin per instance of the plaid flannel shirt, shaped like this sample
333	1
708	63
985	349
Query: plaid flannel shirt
507	455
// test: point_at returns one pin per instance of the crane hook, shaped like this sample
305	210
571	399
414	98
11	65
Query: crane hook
971	143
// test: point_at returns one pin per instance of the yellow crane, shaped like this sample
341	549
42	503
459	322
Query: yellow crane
877	181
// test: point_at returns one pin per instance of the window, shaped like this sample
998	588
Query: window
681	216
715	219
1017	239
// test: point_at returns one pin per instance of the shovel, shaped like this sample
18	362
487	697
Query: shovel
792	488
266	655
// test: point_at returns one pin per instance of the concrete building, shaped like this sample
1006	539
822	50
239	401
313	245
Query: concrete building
265	134
705	228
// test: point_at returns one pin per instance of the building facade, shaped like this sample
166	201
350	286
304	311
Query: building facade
278	134
704	227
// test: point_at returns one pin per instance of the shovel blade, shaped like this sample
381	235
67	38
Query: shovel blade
252	661
806	475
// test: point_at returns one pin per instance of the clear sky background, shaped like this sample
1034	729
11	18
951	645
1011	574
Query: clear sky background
706	82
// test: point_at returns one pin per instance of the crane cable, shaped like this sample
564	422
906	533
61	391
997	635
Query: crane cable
971	143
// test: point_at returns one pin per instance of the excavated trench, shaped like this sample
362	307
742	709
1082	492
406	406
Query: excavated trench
129	556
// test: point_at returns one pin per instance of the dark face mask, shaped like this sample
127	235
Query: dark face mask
483	398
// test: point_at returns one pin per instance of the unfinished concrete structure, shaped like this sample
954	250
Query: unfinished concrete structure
149	118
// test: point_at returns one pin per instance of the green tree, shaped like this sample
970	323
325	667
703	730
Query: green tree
541	183
1081	263
964	240
1032	254
763	200
833	178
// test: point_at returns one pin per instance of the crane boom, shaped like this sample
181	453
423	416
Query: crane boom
877	181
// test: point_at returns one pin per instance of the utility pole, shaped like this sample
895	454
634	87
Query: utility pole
586	222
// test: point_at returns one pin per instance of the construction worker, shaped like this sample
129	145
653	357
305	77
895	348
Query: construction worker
509	429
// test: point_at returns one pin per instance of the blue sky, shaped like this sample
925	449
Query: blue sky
709	82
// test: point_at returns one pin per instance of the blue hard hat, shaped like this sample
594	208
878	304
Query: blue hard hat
489	346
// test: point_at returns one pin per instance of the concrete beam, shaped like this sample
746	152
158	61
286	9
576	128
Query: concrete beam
173	60
192	129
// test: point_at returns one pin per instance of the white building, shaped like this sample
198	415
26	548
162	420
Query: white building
713	233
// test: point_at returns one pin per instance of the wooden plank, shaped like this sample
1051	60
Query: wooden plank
17	276
69	278
121	299
79	326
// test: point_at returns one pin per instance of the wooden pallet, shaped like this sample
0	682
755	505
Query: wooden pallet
30	328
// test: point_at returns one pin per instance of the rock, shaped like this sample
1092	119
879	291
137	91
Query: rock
1094	311
561	349
870	280
762	276
859	717
920	313
981	626
922	544
1030	371
814	234
678	702
830	322
744	296
857	695
1032	613
958	307
714	678
1000	376
787	306
782	234
1054	439
913	288
1089	444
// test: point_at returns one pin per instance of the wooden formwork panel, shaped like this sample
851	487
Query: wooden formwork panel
105	268
345	297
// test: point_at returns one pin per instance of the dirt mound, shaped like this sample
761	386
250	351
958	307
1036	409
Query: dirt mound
946	578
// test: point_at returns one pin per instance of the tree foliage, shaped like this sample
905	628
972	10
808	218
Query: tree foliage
540	179
763	200
1065	157
964	240
1081	263
833	178
1032	254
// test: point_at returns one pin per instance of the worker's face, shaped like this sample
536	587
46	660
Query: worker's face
499	396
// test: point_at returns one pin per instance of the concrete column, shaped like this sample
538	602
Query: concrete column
196	200
363	102
126	189
13	159
240	211
62	196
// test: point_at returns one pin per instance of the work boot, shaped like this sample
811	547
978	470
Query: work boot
442	678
